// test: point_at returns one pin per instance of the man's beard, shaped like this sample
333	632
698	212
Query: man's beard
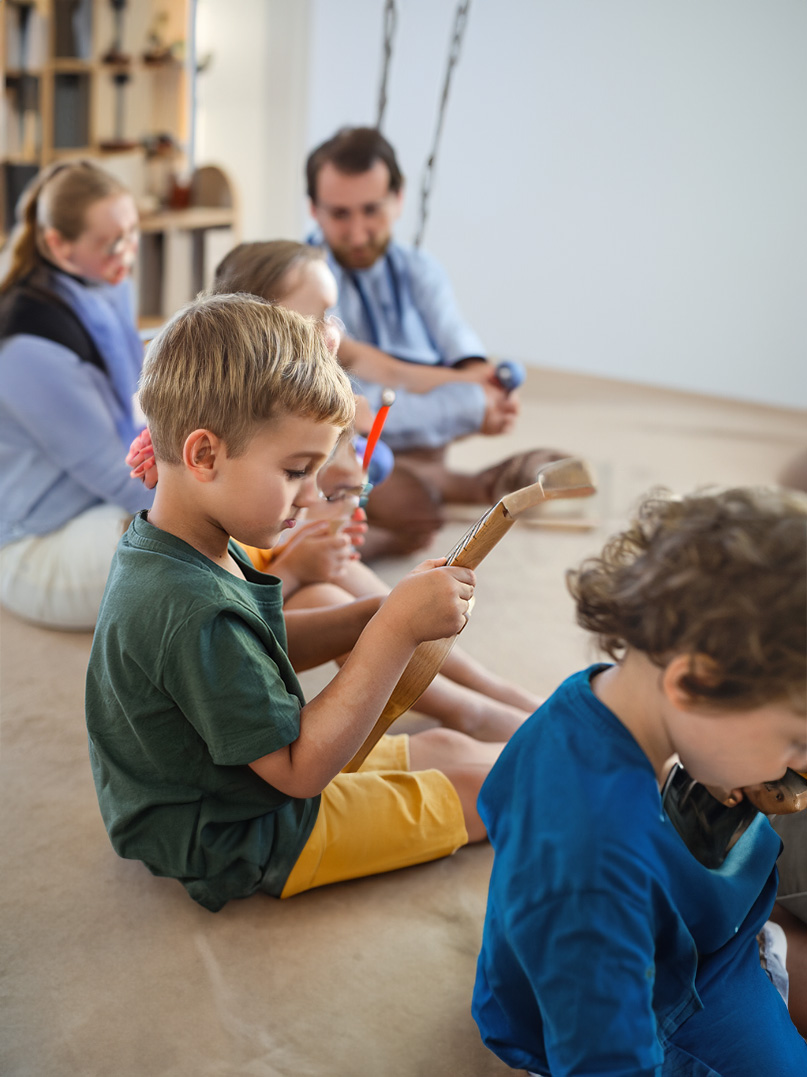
364	257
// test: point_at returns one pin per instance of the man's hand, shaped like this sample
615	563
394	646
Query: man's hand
501	410
431	602
479	370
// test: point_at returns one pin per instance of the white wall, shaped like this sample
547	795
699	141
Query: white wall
251	103
622	185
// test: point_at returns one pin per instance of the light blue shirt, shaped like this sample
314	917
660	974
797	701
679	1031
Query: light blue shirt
65	425
404	304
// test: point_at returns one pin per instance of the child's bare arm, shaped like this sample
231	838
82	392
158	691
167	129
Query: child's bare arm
321	634
429	603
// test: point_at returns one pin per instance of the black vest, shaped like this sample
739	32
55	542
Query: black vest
33	308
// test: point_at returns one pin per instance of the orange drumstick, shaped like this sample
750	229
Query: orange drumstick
387	400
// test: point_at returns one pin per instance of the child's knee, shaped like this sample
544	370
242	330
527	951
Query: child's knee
318	595
443	746
439	748
467	782
464	761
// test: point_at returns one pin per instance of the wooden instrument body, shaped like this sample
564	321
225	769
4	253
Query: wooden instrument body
428	657
560	479
711	824
423	667
786	796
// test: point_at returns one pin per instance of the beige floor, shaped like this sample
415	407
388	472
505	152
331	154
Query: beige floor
108	972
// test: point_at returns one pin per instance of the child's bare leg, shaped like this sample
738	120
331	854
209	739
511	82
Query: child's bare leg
360	579
481	487
469	712
796	932
314	595
464	761
404	514
460	667
453	705
430	465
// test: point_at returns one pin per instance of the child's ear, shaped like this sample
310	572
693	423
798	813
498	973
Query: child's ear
200	454
683	674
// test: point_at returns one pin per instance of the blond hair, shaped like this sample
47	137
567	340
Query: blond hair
57	197
227	363
263	268
720	573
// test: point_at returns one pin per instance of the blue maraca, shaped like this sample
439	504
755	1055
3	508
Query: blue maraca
510	374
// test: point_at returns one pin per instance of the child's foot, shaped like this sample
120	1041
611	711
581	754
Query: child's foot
513	695
462	669
470	712
489	720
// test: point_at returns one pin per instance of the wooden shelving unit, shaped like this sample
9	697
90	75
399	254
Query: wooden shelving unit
109	79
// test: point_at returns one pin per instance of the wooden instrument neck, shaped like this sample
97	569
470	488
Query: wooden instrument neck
480	539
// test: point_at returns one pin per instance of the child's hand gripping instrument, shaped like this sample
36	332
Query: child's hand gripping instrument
560	479
709	827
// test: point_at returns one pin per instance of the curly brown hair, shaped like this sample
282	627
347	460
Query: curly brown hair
716	573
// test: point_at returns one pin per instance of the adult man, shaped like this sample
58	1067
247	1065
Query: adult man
404	329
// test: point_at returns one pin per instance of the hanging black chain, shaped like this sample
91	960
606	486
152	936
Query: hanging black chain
390	24
460	21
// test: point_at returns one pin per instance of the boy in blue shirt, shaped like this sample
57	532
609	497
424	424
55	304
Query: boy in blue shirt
608	947
209	765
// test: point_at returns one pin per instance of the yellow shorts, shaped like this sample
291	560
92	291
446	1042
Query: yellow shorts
381	817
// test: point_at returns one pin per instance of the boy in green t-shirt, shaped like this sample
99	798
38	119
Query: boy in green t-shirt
209	765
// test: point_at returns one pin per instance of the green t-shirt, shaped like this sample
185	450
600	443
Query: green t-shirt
188	682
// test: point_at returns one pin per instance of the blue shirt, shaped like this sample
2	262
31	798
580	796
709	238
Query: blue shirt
599	920
404	304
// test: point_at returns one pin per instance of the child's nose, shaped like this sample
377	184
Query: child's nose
308	494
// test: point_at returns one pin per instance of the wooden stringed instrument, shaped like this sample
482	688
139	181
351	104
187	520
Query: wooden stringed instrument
569	478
